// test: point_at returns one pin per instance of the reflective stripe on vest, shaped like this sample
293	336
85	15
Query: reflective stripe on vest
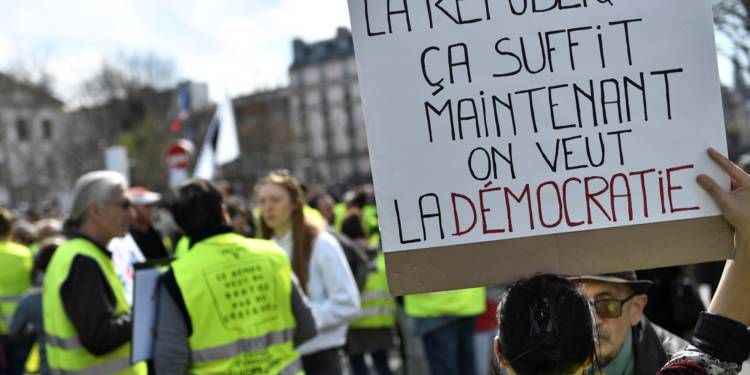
14	298
379	310
292	368
377	294
109	367
244	345
69	344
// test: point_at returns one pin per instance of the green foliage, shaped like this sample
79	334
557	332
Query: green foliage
146	143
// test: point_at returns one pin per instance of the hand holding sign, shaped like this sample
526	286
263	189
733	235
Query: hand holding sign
734	204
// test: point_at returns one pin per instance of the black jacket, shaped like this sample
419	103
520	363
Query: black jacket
653	347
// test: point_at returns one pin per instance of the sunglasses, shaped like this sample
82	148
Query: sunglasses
124	204
610	308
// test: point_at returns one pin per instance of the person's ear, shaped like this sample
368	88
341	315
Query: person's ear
225	219
639	303
503	361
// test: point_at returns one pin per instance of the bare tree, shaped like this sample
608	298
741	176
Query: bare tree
125	102
732	18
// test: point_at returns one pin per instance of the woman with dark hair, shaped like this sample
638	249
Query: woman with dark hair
545	326
319	263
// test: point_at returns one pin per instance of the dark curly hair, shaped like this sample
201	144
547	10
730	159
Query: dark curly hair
545	326
198	207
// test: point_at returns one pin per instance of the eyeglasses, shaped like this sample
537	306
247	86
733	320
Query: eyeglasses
124	204
610	308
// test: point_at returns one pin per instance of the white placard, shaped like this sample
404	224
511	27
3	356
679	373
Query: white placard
125	254
144	313
116	159
490	120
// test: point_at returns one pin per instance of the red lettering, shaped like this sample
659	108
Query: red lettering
559	204
524	193
484	210
642	175
459	232
591	197
613	196
661	193
565	202
671	188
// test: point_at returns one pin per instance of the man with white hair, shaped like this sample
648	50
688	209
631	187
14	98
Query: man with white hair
87	322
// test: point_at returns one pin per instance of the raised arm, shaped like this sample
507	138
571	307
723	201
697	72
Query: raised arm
721	340
730	299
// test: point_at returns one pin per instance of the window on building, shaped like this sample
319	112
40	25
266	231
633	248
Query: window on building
22	129
47	129
345	70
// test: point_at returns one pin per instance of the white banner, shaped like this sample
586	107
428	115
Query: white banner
491	120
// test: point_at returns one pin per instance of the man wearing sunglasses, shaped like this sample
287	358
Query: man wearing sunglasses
627	343
87	322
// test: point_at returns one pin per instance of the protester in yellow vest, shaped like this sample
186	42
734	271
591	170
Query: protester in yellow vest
15	278
87	322
445	321
231	304
373	332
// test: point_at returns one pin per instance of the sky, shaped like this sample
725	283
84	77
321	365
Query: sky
236	46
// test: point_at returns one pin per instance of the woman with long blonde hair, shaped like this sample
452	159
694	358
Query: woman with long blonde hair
318	261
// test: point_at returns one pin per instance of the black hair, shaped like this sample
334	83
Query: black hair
352	227
6	223
235	206
359	199
545	326
44	255
197	208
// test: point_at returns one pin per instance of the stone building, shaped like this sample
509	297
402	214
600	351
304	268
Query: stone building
326	113
736	101
32	125
266	139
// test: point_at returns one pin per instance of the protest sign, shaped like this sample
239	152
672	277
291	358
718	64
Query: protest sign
146	280
509	137
125	253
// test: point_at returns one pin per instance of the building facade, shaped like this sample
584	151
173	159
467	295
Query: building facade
326	113
736	101
264	134
32	126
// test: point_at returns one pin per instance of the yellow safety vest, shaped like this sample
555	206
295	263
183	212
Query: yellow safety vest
339	212
378	307
15	278
65	354
238	296
464	302
183	245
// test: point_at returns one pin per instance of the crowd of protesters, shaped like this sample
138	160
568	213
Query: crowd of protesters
290	279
